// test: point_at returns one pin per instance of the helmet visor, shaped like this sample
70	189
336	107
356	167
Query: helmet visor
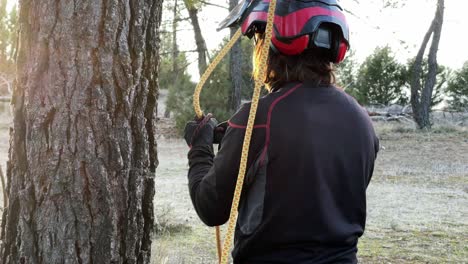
232	19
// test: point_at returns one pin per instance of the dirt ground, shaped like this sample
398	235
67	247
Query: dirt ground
417	202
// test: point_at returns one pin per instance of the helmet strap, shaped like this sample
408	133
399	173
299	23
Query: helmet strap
274	49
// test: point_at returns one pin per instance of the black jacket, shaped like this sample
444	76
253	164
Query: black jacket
304	201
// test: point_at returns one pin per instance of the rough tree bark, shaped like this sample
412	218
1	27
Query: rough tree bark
235	69
421	97
199	40
82	149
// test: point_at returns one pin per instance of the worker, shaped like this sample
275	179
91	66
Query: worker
312	151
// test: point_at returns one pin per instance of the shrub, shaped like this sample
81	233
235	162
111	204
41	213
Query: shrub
457	89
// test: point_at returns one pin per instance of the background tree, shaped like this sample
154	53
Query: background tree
4	32
193	7
174	63
171	75
380	79
216	94
439	88
83	151
180	91
8	38
247	47
346	73
457	89
421	95
235	69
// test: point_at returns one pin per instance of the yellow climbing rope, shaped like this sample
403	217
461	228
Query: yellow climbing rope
224	256
209	70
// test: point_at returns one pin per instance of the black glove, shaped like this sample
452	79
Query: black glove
201	132
219	132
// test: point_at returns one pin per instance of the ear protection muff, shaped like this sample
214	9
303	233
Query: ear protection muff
322	38
293	47
327	38
341	51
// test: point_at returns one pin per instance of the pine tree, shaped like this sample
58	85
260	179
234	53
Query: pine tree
380	78
457	89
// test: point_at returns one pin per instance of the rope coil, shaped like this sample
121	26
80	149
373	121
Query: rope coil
224	254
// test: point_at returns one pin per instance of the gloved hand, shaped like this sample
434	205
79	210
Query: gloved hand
201	132
219	132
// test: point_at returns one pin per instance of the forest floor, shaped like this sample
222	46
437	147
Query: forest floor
417	199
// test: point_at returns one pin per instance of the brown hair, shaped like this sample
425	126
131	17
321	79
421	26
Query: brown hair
312	65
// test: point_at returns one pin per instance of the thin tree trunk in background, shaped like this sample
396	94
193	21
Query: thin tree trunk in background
421	96
175	47
199	40
235	69
175	54
83	151
5	194
426	97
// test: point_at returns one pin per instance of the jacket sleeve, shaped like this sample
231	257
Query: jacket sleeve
212	179
376	151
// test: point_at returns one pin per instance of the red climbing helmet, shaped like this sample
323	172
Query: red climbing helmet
298	25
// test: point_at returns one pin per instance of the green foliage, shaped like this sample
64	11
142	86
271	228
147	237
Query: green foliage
180	87
196	4
174	77
8	28
213	99
380	79
4	33
457	89
346	73
383	64
441	80
247	67
215	94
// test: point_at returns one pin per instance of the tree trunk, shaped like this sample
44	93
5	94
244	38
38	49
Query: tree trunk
5	194
199	40
175	55
175	47
235	67
82	149
421	95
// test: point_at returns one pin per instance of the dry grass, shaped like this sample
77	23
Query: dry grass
418	196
